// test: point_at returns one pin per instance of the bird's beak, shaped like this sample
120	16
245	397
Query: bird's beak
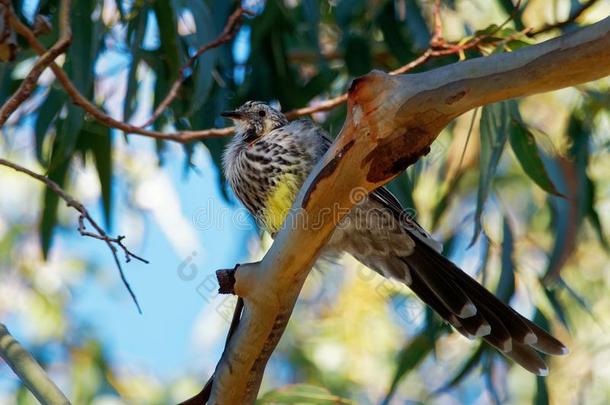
234	115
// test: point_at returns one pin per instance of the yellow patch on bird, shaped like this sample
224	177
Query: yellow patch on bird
279	202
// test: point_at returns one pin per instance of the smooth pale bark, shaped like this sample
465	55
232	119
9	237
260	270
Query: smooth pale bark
29	371
391	122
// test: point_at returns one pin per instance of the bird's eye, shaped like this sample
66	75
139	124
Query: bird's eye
262	113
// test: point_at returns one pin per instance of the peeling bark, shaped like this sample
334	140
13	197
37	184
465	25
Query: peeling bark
391	122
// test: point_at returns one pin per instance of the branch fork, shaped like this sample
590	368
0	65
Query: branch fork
391	121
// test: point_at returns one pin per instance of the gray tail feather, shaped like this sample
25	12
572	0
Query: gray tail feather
475	312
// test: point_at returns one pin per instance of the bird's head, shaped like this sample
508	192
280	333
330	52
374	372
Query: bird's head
255	119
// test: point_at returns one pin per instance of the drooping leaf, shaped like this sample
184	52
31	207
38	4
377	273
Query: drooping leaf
488	370
46	114
97	141
395	38
416	25
402	188
470	364
357	55
542	393
205	33
50	205
524	146
301	394
168	32
557	306
506	284
417	350
311	14
509	9
348	10
580	300
87	28
135	35
591	212
495	122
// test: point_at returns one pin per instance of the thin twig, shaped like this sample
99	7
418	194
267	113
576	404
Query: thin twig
189	136
231	28
93	110
437	36
558	25
83	219
29	83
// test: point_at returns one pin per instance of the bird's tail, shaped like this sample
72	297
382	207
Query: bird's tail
473	311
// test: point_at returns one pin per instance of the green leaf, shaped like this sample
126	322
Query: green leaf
67	132
100	145
50	205
542	393
470	364
205	33
592	214
408	359
394	35
416	25
524	146
301	394
168	34
135	34
509	9
311	14
47	112
495	121
347	10
551	295
506	284
357	55
580	300
80	60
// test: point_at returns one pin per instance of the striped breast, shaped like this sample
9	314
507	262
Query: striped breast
267	175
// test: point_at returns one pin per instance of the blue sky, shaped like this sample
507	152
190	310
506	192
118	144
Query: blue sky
177	290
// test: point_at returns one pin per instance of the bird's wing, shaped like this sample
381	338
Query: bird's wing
384	197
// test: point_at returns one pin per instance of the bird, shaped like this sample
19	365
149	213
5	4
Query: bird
266	163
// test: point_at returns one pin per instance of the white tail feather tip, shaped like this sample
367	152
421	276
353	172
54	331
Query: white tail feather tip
468	310
483	330
530	339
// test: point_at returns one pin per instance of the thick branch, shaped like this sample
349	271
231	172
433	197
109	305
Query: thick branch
391	122
29	371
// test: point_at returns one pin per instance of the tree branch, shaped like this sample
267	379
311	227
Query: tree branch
391	122
29	83
231	28
88	106
29	371
438	48
114	244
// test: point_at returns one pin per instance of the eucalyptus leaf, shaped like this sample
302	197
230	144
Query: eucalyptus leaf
524	146
302	394
417	350
495	128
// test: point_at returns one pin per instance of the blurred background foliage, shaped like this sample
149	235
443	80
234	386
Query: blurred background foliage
518	191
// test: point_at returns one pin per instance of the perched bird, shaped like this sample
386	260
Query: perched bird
267	162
